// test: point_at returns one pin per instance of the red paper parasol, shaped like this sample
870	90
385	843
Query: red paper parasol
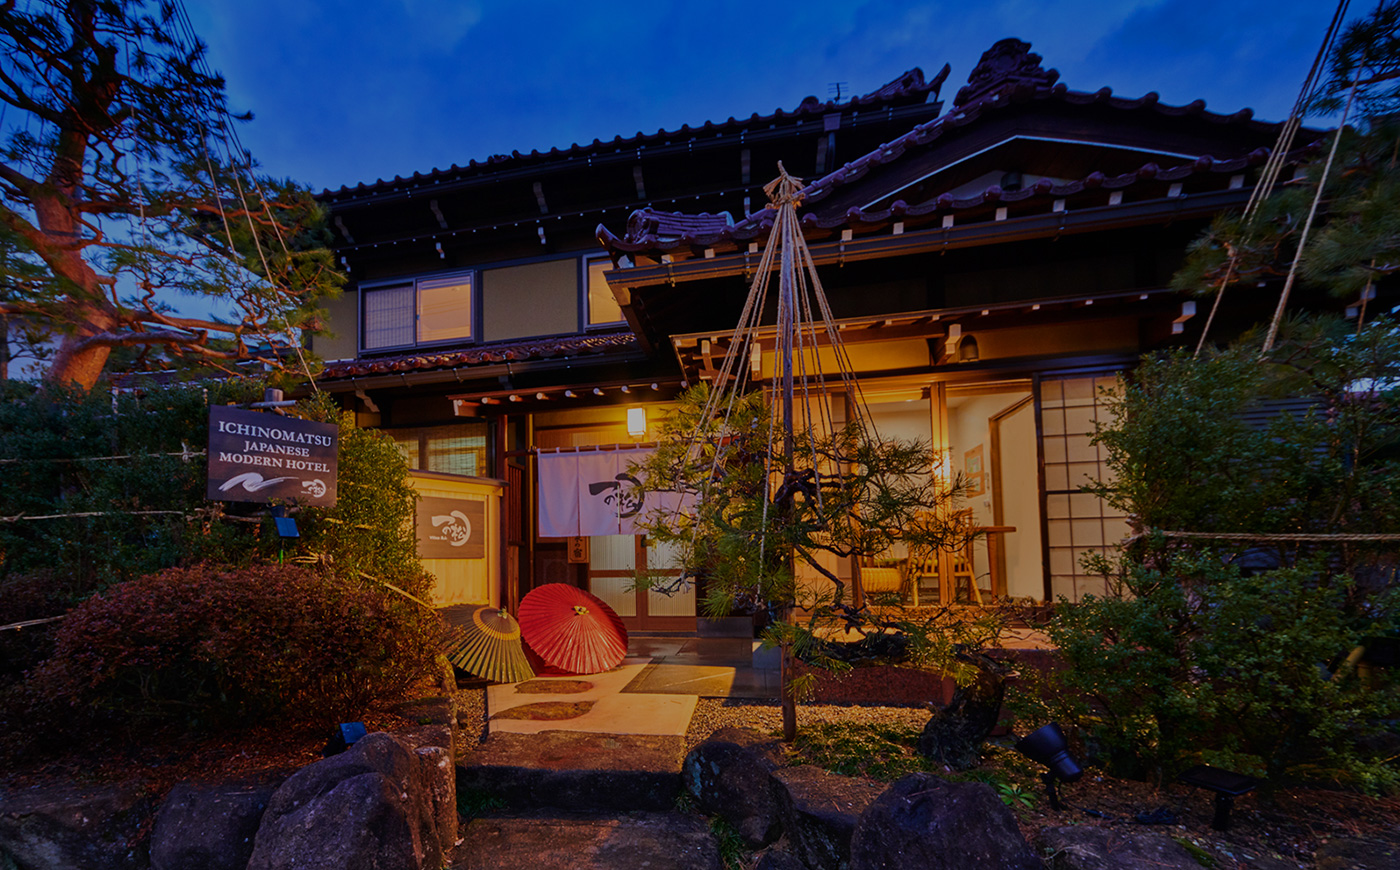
572	630
486	642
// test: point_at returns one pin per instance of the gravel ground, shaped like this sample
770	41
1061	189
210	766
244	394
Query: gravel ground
712	714
471	718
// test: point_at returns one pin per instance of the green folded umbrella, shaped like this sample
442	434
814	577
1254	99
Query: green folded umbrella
486	643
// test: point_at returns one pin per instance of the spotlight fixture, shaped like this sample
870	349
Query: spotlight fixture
345	735
1047	745
286	529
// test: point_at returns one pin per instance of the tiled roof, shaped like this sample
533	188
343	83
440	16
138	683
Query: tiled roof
553	348
1043	193
911	87
1007	76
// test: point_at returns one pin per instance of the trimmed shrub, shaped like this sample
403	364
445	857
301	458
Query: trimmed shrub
123	473
370	529
207	646
1232	651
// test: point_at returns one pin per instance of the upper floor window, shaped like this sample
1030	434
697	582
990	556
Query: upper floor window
602	305
424	311
456	449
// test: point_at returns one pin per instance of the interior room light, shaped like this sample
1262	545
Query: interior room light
637	422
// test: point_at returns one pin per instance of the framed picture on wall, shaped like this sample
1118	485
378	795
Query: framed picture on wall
973	472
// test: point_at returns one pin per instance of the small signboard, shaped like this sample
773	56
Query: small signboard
578	550
264	458
451	528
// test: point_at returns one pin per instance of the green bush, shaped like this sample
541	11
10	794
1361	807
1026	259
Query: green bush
370	529
177	618
204	647
1193	659
114	455
1199	664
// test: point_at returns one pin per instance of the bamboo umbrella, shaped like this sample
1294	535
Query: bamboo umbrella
487	644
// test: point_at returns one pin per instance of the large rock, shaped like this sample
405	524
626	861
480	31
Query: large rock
955	734
363	808
209	826
437	775
728	775
776	859
65	827
1086	847
819	811
657	841
925	821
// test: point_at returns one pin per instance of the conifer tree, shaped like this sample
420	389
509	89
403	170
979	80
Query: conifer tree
1356	239
124	190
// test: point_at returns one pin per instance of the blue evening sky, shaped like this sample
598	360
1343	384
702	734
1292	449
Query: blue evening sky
346	92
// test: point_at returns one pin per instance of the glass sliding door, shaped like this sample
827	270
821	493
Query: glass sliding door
986	433
613	564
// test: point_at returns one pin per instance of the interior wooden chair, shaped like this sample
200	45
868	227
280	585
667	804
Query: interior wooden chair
962	568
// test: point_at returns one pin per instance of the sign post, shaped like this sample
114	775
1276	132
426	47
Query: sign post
258	457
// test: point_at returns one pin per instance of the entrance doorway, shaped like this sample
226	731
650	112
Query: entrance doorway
992	442
614	562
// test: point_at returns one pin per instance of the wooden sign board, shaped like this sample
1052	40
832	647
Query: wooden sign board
451	528
264	458
578	550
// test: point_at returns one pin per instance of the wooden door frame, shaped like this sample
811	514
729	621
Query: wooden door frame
643	620
998	512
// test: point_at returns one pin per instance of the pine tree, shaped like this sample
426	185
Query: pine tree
125	190
1355	240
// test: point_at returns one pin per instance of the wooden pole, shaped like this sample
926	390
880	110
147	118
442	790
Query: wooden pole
783	228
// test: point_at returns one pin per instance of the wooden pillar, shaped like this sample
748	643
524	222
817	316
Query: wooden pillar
942	446
510	575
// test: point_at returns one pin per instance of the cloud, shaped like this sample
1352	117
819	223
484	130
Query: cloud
441	24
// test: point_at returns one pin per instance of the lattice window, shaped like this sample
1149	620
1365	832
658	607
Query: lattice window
1077	523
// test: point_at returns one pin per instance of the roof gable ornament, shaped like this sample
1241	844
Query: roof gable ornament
1008	65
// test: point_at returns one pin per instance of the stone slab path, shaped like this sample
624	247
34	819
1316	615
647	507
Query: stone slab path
605	710
655	841
577	772
577	801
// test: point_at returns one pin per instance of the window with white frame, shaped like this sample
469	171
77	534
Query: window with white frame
422	311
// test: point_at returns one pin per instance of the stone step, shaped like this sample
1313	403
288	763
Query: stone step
630	841
574	771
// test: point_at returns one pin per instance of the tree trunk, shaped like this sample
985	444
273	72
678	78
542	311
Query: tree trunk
785	676
79	366
955	734
86	303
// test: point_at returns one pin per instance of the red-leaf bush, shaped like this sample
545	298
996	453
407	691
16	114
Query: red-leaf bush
206	646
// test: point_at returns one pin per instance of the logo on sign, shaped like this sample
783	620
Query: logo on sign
455	527
250	481
624	494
